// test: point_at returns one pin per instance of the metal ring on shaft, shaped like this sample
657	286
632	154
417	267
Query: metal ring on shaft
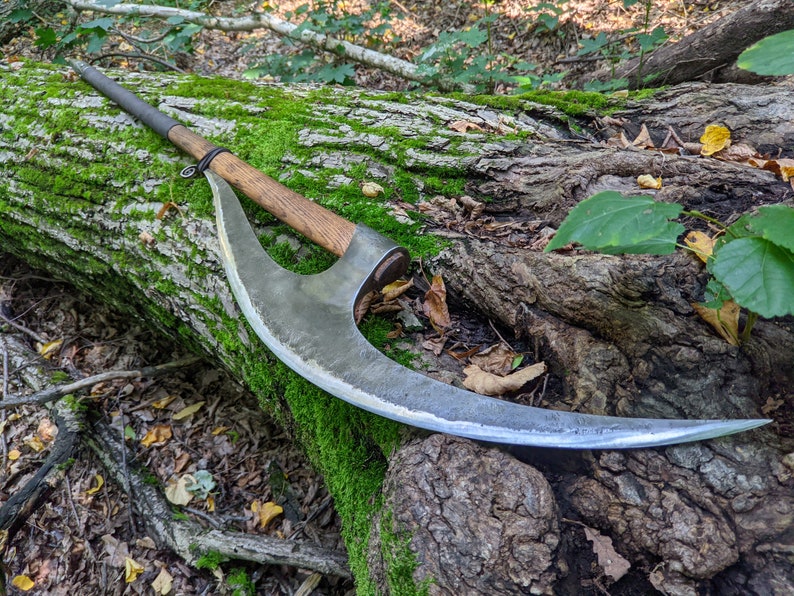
192	171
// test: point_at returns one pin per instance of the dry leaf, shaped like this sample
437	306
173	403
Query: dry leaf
497	359
132	569
166	207
396	289
479	381
163	583
473	206
46	430
98	486
771	405
219	430
648	181
35	443
50	349
267	512
725	320
613	564
188	411
371	189
435	305
163	403
701	244
176	491
157	434
643	139
436	346
715	138
22	582
464	126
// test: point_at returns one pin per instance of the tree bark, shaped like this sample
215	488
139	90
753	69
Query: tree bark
618	333
710	53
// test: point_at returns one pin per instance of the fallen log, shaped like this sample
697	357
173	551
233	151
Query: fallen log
89	195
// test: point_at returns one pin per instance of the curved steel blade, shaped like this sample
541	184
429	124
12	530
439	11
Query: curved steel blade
307	321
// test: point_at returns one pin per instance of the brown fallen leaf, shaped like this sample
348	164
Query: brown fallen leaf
435	305
163	583
464	126
613	564
176	490
497	359
486	383
725	320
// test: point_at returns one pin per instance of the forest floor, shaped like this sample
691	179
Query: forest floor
78	540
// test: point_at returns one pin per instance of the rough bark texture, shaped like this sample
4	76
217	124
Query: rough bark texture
618	333
710	53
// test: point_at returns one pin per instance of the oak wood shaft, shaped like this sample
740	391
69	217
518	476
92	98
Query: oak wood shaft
317	223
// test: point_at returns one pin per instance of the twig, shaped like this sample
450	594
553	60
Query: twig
3	438
263	20
51	393
23	329
139	56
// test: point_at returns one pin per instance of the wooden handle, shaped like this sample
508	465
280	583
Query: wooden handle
317	223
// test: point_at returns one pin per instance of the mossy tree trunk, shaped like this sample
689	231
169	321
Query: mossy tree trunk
82	189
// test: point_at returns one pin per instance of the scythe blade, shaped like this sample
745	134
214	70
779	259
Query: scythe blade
308	323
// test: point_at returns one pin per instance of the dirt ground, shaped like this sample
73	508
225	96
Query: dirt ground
78	541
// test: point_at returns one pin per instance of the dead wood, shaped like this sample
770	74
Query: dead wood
708	54
189	539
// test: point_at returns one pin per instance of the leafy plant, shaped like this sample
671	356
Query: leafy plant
773	55
751	261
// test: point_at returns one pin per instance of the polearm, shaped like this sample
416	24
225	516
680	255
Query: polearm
307	321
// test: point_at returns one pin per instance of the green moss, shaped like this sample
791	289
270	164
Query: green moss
400	561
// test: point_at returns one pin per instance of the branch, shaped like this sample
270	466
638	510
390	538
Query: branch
190	540
390	64
51	393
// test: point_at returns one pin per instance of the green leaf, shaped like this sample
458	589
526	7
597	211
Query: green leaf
775	223
609	223
19	15
45	37
104	23
758	273
773	55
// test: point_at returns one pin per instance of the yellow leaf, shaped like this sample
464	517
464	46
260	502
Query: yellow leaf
163	583
725	320
396	289
268	512
157	434
99	482
35	444
219	430
50	349
701	244
210	503
490	384
715	139
163	403
132	570
188	411
648	181
22	582
14	454
435	305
